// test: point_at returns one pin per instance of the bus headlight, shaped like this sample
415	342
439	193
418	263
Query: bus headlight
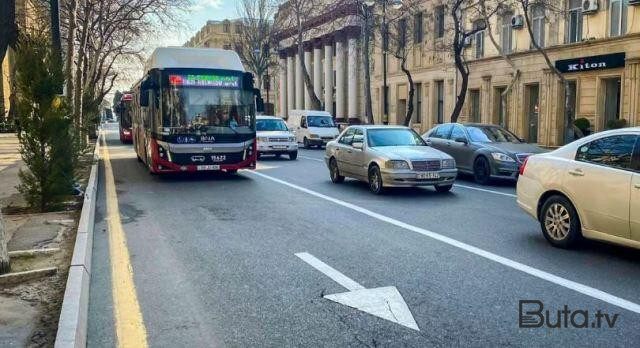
163	153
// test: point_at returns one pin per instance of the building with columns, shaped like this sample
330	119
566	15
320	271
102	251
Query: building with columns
333	59
598	52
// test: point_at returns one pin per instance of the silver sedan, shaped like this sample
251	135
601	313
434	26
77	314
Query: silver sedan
388	156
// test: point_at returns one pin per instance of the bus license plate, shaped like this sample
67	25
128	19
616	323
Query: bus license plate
428	175
209	167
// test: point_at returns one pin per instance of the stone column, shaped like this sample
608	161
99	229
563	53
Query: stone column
282	90
307	64
632	85
299	83
317	68
341	77
328	75
291	86
352	67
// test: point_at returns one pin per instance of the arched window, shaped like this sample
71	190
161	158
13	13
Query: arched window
506	32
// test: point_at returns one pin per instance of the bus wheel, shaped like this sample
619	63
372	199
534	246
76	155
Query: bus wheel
232	171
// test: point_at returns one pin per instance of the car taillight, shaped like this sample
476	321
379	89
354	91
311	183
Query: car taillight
524	164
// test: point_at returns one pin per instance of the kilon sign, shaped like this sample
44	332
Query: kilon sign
205	81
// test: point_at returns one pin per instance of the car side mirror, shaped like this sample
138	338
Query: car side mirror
358	145
462	140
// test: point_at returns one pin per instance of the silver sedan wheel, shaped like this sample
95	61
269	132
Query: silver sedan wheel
557	221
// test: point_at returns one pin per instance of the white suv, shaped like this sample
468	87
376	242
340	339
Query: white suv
589	188
274	137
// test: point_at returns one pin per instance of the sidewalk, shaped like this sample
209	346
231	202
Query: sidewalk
29	310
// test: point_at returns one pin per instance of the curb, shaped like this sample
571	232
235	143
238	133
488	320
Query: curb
19	277
72	325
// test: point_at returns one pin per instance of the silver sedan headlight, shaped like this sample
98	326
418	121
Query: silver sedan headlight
500	157
395	164
263	139
448	163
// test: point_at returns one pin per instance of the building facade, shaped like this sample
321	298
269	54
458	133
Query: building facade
597	50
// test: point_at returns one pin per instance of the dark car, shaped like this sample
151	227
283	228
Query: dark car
486	151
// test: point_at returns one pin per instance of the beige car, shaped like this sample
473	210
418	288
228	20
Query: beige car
589	188
389	156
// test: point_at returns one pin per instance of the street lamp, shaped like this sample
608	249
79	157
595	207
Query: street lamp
396	5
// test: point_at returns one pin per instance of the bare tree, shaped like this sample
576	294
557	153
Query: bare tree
253	39
459	10
401	40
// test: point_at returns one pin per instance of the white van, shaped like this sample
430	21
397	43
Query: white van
312	128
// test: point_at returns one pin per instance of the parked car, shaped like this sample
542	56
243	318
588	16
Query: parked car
486	151
589	188
388	156
312	128
275	138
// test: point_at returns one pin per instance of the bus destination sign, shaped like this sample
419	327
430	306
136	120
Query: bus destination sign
205	81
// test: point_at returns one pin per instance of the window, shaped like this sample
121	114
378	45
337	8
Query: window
457	133
238	28
618	17
439	22
574	21
226	27
443	131
440	101
537	14
506	32
347	137
303	122
358	136
615	151
479	38
418	103
474	114
418	31
402	32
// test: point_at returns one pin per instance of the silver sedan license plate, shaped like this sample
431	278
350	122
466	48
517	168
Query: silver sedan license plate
428	175
209	167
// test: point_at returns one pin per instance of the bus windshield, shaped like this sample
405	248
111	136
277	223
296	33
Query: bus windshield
320	121
207	110
125	116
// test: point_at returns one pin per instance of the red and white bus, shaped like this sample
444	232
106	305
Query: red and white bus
123	110
195	110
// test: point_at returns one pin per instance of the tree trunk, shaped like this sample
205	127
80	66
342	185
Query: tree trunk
2	107
71	40
77	97
458	51
5	265
367	69
407	118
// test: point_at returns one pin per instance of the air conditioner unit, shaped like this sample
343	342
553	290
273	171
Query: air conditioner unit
589	6
517	22
467	41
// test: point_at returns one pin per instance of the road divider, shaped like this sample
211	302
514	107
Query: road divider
566	283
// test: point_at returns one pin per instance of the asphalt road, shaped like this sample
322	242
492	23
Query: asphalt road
213	262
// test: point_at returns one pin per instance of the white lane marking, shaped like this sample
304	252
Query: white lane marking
485	190
311	158
330	272
384	302
569	284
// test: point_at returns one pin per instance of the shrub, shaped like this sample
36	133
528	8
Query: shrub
615	124
583	124
47	145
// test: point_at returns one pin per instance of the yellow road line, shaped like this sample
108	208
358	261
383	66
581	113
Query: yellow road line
130	329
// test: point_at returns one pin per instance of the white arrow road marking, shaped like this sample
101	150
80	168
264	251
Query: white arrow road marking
385	302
